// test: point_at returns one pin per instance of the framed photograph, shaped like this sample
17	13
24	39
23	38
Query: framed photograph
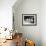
29	19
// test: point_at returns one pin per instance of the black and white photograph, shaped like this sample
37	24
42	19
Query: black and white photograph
29	19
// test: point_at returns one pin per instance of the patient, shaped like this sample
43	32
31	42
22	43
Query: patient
18	40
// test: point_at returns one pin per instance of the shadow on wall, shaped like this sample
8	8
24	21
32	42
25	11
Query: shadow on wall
17	4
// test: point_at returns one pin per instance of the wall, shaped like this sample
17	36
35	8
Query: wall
28	7
43	22
6	13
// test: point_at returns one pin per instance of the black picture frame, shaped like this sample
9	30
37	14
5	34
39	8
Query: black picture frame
29	19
